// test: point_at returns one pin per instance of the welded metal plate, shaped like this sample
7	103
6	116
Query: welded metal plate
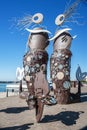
60	75
66	84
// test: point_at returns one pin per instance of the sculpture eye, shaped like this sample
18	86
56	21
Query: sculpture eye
60	19
37	18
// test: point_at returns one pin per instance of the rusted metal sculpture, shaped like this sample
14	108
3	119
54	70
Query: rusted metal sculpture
80	76
35	70
60	67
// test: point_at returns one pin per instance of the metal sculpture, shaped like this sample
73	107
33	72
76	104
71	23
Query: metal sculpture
60	60
60	67
35	69
79	75
75	97
35	61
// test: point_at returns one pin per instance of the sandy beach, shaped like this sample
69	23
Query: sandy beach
3	94
15	115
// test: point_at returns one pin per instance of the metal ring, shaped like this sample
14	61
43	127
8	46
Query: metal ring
60	19
37	18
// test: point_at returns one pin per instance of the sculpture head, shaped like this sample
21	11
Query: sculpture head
38	39
62	41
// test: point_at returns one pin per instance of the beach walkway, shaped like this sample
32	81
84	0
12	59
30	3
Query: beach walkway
15	115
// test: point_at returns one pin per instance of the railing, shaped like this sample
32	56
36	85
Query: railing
14	88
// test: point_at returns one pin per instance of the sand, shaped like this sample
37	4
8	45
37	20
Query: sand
15	115
4	94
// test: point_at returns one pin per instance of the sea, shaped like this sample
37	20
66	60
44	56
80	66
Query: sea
3	87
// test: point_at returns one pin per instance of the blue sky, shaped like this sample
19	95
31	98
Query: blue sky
13	41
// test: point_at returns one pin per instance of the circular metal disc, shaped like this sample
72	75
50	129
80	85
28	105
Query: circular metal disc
37	18
26	68
32	69
66	84
52	61
60	66
56	64
60	19
28	58
37	65
67	56
27	77
30	84
60	75
40	56
67	72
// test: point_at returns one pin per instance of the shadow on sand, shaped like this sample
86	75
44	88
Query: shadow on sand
14	110
84	128
22	127
66	117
